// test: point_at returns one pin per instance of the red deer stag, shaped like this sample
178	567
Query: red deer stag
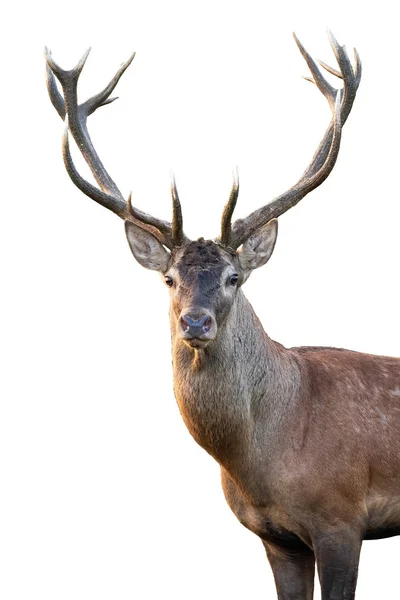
308	439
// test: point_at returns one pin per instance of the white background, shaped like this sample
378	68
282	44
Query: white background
103	492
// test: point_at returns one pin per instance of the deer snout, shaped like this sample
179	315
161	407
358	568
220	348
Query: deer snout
197	327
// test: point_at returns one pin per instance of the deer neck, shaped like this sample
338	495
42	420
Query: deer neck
224	390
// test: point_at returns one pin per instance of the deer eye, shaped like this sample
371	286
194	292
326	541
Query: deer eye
233	279
169	281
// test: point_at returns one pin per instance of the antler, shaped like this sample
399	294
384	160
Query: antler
340	102
75	116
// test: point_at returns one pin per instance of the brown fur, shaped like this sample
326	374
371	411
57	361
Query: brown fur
308	439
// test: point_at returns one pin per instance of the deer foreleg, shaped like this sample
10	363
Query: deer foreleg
293	572
337	555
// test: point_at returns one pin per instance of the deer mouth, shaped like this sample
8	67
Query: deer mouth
196	343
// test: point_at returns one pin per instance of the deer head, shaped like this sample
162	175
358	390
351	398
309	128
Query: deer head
204	276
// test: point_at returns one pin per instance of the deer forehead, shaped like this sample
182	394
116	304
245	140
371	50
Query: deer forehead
203	255
202	262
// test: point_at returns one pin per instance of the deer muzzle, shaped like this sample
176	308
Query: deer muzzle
197	327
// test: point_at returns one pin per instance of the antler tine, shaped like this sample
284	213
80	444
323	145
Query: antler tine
322	84
102	98
178	237
160	229
329	69
75	116
324	159
56	99
226	227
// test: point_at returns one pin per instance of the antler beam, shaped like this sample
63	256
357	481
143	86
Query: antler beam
75	116
324	159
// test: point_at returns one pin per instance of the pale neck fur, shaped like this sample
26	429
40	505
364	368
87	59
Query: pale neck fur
237	388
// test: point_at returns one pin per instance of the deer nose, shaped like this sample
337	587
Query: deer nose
196	328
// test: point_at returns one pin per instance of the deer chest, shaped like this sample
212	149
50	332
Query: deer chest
268	521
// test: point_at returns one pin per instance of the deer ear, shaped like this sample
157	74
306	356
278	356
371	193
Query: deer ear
258	248
147	250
